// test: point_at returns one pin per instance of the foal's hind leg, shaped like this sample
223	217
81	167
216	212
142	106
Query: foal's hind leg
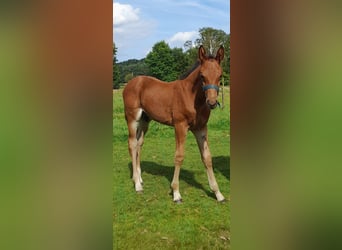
202	141
136	130
132	118
141	131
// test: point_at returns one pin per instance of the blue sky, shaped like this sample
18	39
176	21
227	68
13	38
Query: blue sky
139	24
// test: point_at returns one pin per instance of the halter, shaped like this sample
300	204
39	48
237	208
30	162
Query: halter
211	86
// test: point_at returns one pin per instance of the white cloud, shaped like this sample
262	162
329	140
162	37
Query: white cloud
129	27
183	36
178	39
124	14
126	21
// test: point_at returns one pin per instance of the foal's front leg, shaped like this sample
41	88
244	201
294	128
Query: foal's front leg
202	141
180	130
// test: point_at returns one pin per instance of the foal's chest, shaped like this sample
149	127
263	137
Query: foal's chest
195	118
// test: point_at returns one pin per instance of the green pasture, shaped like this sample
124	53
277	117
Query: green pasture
152	220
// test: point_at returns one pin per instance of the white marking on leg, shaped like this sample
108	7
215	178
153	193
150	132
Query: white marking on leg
213	184
141	133
219	196
138	186
139	173
175	185
138	115
135	124
176	195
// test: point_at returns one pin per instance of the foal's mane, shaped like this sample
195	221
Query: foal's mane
193	67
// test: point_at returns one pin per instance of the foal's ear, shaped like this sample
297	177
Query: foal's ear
220	54
201	53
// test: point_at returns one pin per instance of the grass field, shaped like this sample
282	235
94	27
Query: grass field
151	220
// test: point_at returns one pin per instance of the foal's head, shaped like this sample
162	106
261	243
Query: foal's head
211	73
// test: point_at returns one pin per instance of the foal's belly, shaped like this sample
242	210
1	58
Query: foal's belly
159	114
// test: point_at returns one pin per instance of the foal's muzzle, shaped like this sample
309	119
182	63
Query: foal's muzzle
211	100
212	106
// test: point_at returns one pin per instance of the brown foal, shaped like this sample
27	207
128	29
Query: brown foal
184	104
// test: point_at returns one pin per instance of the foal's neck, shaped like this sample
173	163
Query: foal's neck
193	77
195	83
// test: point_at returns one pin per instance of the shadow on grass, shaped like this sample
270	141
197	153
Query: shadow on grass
156	169
222	164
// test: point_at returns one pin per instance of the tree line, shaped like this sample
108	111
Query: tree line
168	64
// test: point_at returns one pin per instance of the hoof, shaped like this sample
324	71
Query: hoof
180	201
138	187
223	201
140	192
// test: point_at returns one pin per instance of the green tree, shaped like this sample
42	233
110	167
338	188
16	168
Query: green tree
129	77
226	61
116	71
165	63
188	45
137	67
191	53
180	62
211	39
